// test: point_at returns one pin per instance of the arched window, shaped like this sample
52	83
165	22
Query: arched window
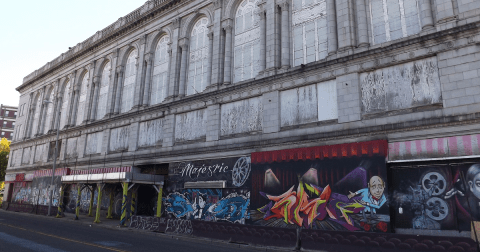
197	71
309	23
36	115
160	71
64	112
394	19
247	41
129	82
102	96
81	99
49	111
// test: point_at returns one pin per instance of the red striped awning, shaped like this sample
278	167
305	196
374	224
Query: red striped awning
370	148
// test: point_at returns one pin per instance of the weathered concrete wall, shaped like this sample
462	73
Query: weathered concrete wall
399	87
16	158
150	133
119	139
191	125
242	116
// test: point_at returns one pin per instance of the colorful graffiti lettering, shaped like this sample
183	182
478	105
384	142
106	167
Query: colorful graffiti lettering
207	204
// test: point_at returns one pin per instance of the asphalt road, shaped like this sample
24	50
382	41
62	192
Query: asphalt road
22	232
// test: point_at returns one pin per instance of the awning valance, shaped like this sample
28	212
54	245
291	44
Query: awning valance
115	177
370	148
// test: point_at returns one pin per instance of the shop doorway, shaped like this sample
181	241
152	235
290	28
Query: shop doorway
147	200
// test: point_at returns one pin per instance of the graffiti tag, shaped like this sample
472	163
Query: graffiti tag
179	226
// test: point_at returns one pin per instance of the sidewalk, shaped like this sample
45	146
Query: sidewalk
115	224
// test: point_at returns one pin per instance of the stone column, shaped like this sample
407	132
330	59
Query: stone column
119	89
174	60
362	24
146	91
332	27
89	87
210	59
426	14
263	56
73	119
217	59
96	89
138	91
112	84
285	36
227	77
183	68
59	109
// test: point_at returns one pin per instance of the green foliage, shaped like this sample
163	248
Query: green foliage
3	164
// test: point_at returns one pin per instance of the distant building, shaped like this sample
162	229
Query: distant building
8	115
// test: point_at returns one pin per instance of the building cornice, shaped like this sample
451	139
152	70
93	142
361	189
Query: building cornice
122	25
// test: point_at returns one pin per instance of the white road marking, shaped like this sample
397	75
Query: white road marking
112	243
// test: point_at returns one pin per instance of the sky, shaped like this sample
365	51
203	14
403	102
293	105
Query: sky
34	32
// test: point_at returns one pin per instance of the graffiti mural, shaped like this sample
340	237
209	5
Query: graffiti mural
347	193
148	223
235	171
421	200
229	203
209	205
179	226
22	193
40	192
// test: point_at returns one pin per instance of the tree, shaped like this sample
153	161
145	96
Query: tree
4	151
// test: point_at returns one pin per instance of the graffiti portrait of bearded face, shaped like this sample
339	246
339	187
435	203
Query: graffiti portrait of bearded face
473	178
376	186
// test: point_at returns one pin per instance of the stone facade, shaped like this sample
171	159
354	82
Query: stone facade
180	80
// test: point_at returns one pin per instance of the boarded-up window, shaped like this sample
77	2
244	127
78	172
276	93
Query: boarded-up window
82	99
102	95
242	116
26	155
65	102
150	133
309	31
129	82
402	86
160	72
94	142
40	151
51	150
247	41
394	19
191	125
197	70
309	104
119	139
71	148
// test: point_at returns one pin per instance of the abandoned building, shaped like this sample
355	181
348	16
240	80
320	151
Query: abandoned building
245	119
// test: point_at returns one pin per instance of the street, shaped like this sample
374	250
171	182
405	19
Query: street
22	232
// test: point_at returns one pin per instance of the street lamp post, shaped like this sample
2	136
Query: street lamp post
54	157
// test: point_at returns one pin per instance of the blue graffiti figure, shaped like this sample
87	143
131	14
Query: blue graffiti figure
233	208
179	205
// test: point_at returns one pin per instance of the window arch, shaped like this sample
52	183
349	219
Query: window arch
82	99
102	96
64	112
129	82
309	23
247	41
160	71
49	111
198	65
394	19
